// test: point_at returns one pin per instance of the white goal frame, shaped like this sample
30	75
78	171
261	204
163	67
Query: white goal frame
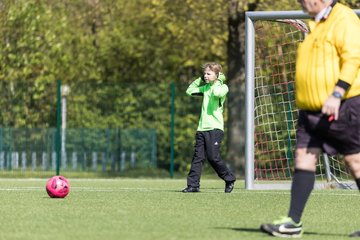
250	18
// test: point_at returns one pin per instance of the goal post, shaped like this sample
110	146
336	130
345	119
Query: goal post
270	113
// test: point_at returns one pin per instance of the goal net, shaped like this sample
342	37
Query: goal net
272	40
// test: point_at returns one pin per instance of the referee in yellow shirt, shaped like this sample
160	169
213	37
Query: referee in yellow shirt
328	96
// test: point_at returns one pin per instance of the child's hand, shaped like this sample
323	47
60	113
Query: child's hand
221	77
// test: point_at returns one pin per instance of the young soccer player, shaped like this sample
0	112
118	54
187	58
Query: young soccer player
210	130
328	96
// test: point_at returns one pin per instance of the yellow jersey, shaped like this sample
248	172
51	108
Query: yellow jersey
331	51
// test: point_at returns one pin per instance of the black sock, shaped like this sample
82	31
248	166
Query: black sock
358	183
302	185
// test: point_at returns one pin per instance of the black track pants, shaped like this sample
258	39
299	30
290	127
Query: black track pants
207	145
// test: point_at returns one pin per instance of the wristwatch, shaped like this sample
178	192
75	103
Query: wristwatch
337	94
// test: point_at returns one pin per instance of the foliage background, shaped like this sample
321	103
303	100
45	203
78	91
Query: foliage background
119	58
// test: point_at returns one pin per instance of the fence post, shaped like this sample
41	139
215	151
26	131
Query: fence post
172	129
153	150
58	135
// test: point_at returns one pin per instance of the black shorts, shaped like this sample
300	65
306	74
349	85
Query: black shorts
341	136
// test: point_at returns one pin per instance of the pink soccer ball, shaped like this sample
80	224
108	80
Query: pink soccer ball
57	187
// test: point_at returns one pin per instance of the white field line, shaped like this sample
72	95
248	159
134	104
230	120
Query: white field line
206	191
95	180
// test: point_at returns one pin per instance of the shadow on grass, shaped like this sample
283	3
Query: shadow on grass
306	233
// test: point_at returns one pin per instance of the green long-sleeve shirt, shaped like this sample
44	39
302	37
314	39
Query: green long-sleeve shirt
213	102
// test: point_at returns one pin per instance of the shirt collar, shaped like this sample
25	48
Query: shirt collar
323	14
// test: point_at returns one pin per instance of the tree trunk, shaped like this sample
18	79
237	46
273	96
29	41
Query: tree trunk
236	83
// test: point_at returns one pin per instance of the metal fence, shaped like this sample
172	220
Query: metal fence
97	150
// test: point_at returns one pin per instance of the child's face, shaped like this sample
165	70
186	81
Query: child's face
209	75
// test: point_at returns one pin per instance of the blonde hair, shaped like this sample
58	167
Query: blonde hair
213	66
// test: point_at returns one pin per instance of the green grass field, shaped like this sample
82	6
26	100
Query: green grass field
144	209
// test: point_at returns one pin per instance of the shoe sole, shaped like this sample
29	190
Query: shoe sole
190	191
277	234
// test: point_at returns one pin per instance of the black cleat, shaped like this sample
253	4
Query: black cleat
229	186
285	227
355	234
191	189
